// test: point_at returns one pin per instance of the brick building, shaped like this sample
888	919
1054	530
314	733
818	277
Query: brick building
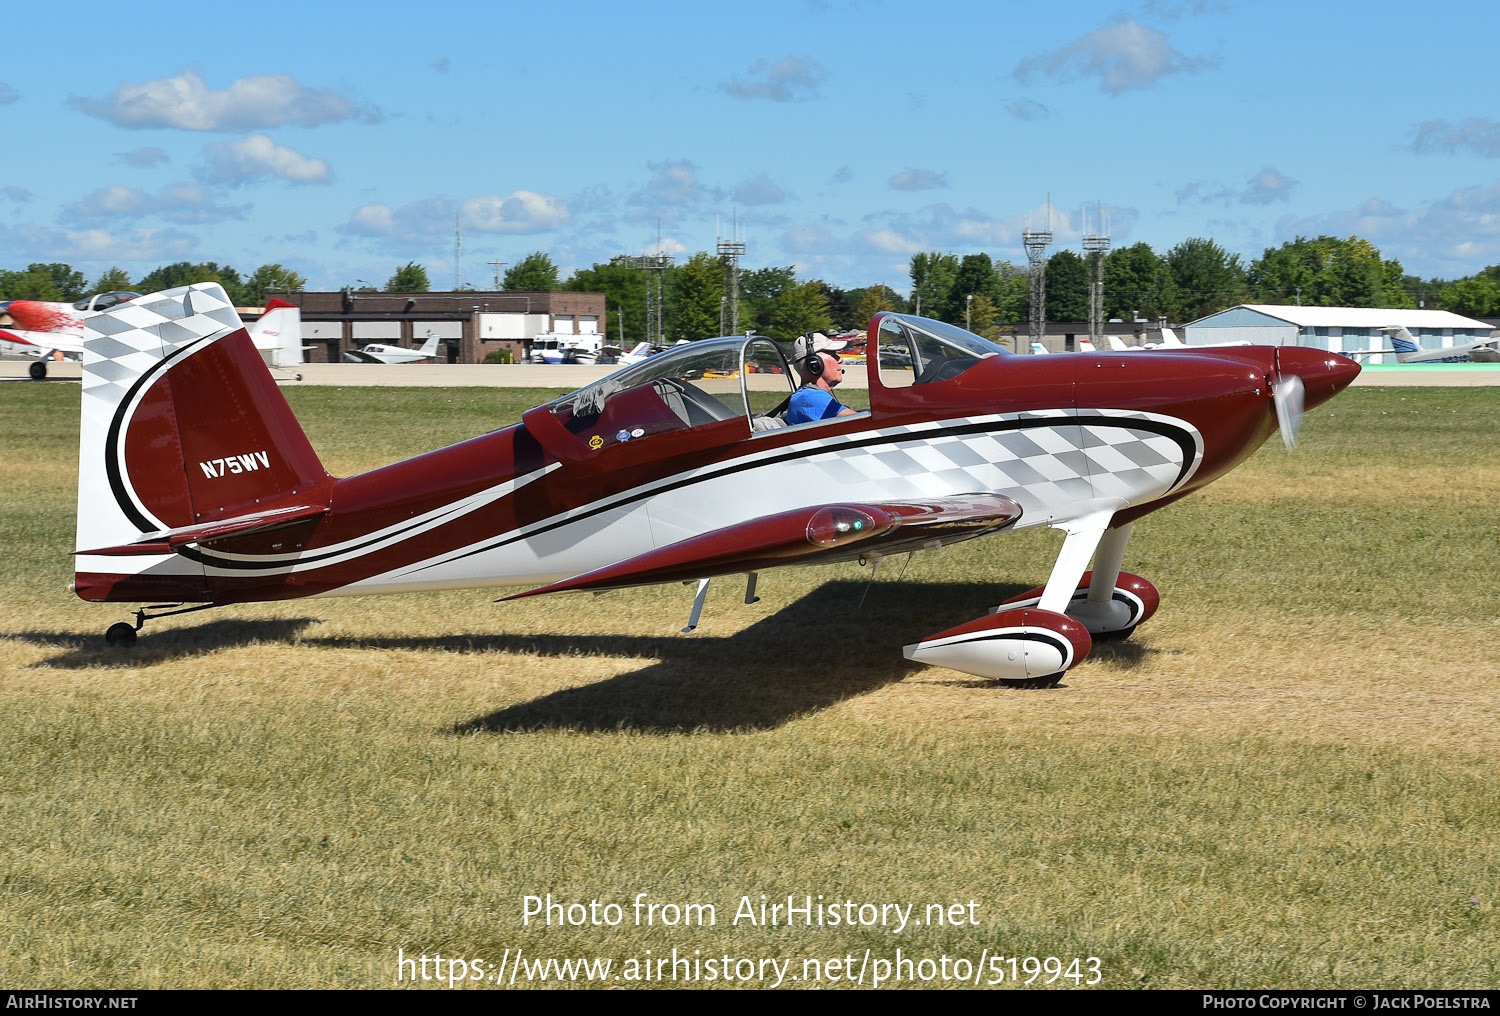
471	324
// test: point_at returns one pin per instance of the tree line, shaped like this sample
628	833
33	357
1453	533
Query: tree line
1194	278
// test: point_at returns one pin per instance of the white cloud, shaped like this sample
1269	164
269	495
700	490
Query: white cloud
1267	186
760	189
1026	109
793	79
187	103
143	157
1123	56
236	163
8	94
80	246
430	222
19	195
1475	135
186	204
674	185
523	211
918	179
1455	235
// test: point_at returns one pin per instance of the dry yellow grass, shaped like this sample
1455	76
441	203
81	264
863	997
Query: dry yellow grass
1284	779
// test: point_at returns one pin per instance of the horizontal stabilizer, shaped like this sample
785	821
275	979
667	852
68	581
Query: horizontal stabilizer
815	534
168	540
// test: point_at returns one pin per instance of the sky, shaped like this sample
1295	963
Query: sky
842	135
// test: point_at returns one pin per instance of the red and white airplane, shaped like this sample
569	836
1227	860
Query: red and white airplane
198	486
50	330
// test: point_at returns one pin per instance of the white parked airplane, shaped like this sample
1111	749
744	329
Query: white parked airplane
1407	349
377	353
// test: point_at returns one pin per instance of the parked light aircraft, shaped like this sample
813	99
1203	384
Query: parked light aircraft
198	488
54	330
377	353
1407	349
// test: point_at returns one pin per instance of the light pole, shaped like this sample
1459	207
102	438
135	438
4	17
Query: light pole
967	301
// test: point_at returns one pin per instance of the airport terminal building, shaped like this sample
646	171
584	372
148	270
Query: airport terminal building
1338	329
470	324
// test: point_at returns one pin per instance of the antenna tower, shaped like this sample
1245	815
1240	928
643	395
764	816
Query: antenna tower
458	257
655	266
731	251
1036	249
1095	246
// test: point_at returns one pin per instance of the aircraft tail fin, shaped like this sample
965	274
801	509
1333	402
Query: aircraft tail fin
430	347
1169	338
278	334
1038	348
1403	342
182	426
1116	343
1086	346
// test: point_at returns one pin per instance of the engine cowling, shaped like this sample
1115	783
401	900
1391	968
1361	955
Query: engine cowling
1133	601
1026	646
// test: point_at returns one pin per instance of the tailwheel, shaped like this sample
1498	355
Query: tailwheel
121	634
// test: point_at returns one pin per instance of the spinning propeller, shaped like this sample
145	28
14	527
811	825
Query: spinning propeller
1289	395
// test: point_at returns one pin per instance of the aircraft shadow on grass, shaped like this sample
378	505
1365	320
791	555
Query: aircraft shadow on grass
163	645
805	657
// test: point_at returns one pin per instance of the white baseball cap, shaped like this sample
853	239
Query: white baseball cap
814	342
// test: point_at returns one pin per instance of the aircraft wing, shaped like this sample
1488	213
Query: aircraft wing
816	534
43	342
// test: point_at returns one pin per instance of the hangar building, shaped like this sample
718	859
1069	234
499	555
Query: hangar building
1338	329
470	323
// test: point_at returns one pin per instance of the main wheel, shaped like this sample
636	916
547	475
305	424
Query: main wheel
37	370
120	634
1119	635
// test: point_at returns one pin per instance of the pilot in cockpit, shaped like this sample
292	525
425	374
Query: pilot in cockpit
815	358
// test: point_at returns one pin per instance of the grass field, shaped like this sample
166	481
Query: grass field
1286	779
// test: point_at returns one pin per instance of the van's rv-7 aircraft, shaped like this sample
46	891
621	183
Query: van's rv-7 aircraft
48	330
198	488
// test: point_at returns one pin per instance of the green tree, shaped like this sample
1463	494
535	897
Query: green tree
55	282
1067	287
624	290
1014	305
1206	278
759	291
535	273
282	280
984	318
694	291
801	308
874	300
185	273
976	277
1328	272
1476	296
409	278
932	279
1137	283
112	280
840	306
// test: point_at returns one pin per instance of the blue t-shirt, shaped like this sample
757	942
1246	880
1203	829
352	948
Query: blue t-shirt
810	404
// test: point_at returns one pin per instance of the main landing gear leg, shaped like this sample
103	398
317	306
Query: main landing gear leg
122	633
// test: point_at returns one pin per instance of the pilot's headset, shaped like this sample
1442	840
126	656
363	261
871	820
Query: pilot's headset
812	364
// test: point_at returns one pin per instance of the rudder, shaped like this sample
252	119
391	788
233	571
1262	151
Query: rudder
182	425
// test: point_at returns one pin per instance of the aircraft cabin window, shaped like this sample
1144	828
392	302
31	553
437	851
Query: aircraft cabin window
915	351
686	386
